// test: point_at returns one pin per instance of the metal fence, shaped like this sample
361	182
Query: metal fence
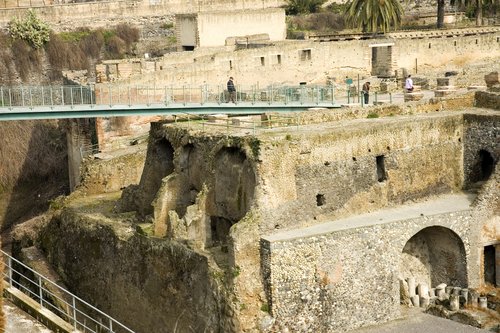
83	316
51	96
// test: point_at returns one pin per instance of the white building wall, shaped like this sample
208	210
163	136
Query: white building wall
215	27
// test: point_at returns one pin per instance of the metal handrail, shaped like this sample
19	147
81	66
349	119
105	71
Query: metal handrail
78	317
74	97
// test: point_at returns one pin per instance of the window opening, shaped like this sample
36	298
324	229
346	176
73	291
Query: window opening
262	61
381	175
320	200
278	59
305	55
489	265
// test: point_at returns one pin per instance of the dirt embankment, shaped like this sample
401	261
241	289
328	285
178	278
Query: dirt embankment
33	168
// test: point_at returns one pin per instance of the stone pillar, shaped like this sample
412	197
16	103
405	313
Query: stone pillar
74	154
411	286
483	302
464	294
423	290
454	302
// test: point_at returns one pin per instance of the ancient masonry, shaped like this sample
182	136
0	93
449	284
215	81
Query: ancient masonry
323	227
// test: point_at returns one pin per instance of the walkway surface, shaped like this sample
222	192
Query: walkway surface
439	205
18	321
418	322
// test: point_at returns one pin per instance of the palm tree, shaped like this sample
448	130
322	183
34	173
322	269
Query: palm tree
374	15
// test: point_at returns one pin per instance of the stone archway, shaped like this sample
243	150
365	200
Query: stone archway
433	256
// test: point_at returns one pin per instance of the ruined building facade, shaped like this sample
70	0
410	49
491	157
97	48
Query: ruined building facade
299	228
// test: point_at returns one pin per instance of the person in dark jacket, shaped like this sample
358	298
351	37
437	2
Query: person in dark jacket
366	92
231	90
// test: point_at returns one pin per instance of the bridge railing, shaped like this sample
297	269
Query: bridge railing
111	95
81	315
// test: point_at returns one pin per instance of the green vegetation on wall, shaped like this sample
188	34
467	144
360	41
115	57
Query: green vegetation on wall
31	40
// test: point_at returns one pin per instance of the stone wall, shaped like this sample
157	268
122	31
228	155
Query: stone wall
208	29
384	168
292	62
104	13
480	144
336	281
489	100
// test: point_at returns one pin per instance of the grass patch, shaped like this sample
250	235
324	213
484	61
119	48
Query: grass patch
372	115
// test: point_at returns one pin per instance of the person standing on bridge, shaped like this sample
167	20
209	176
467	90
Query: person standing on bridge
231	90
366	92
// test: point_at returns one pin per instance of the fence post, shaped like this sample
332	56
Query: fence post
74	311
10	97
31	98
81	94
1	93
9	263
71	95
390	97
43	98
51	98
62	95
91	95
41	290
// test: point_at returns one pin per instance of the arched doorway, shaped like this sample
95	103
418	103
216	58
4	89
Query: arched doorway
433	256
483	167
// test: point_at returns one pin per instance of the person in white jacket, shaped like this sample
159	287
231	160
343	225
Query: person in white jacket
409	84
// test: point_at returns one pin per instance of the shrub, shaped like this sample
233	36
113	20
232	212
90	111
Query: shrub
372	115
295	7
74	36
115	47
327	22
128	34
31	30
167	25
92	44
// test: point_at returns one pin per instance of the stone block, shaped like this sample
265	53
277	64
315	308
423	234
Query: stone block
491	79
482	88
442	93
423	290
413	96
217	118
495	88
445	81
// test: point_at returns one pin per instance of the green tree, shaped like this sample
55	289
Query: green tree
480	7
374	15
295	7
31	29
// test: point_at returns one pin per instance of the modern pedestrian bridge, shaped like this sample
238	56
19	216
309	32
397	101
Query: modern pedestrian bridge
51	102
